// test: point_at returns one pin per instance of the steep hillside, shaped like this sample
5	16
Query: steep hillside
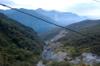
19	45
91	41
75	26
83	24
36	24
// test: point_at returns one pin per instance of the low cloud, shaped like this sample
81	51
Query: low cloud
7	2
86	9
81	7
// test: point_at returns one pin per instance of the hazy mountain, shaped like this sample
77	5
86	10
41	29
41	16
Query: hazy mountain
18	43
39	25
62	18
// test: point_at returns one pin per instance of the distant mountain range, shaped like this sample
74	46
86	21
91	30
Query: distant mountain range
62	18
40	26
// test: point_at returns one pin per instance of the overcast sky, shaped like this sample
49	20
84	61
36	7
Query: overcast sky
82	7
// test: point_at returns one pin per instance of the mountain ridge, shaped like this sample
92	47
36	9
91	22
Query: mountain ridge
62	18
75	26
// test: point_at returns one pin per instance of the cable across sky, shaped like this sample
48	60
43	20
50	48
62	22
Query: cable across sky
46	21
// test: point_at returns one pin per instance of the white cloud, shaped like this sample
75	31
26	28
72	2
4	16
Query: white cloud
46	4
60	5
91	10
81	7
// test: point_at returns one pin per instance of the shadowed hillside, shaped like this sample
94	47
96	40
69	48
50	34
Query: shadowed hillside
18	44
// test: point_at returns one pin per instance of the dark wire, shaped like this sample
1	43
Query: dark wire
47	21
43	20
91	38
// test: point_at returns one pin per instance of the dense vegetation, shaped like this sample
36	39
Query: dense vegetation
19	45
75	44
90	42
